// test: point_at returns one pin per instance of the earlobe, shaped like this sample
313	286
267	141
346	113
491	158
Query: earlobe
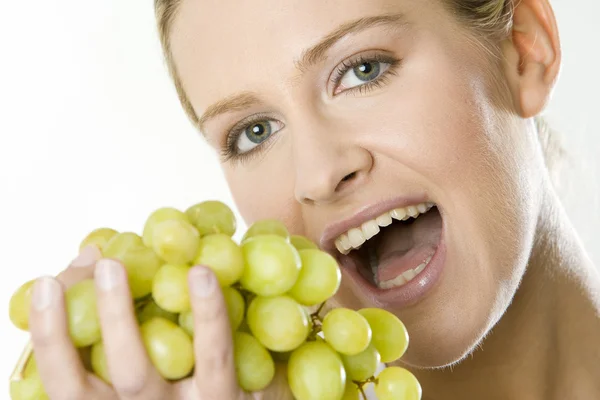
533	56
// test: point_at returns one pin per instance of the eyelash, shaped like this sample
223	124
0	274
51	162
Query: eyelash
230	153
348	65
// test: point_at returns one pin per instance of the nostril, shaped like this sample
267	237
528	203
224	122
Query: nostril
346	180
349	177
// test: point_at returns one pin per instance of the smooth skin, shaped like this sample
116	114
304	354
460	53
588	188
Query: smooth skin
516	312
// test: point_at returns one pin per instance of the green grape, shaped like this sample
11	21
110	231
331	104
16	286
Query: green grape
99	237
390	337
176	241
211	217
235	310
82	315
157	217
319	278
151	310
28	385
272	265
170	349
141	264
186	322
98	360
170	288
363	365
266	227
120	243
235	306
351	391
279	323
19	305
315	372
221	254
397	383
28	388
302	243
253	364
346	331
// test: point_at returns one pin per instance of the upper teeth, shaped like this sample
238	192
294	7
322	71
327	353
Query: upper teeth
355	237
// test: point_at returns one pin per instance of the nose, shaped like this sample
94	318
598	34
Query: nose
329	163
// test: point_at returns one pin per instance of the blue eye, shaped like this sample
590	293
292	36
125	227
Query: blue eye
255	134
363	73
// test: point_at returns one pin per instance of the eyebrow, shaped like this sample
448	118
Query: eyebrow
309	58
233	103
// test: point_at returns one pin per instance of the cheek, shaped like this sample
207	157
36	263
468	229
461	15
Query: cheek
436	120
264	189
440	129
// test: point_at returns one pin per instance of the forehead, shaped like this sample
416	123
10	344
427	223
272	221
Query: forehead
221	47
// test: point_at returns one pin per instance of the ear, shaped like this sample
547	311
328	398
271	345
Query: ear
533	56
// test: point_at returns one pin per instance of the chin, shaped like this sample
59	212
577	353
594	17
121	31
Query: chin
441	344
444	328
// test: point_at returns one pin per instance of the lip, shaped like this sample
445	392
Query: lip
406	295
334	230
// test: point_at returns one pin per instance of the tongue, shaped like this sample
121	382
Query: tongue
402	247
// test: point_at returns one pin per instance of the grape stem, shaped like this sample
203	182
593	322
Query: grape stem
361	386
317	322
316	313
142	302
362	393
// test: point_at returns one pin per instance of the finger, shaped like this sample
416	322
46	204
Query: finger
58	363
82	267
131	371
214	373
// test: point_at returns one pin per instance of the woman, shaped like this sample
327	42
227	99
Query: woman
339	117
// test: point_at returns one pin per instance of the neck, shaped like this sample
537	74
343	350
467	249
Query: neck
547	344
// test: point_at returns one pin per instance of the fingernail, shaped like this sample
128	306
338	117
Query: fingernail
202	282
87	257
108	274
44	291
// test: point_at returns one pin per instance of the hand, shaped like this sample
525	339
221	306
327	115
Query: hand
132	373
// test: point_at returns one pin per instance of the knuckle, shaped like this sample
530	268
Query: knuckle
46	331
220	359
116	310
211	311
72	391
43	338
113	308
132	385
79	392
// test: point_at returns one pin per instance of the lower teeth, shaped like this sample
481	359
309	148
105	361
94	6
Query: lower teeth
373	264
405	277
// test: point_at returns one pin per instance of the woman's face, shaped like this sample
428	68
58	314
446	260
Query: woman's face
332	114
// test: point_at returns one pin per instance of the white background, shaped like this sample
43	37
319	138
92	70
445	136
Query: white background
91	133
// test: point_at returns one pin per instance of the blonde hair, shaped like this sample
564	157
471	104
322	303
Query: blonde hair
490	19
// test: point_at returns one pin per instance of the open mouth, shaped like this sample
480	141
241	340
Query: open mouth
394	248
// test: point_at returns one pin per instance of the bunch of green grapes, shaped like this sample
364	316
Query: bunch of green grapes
275	286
